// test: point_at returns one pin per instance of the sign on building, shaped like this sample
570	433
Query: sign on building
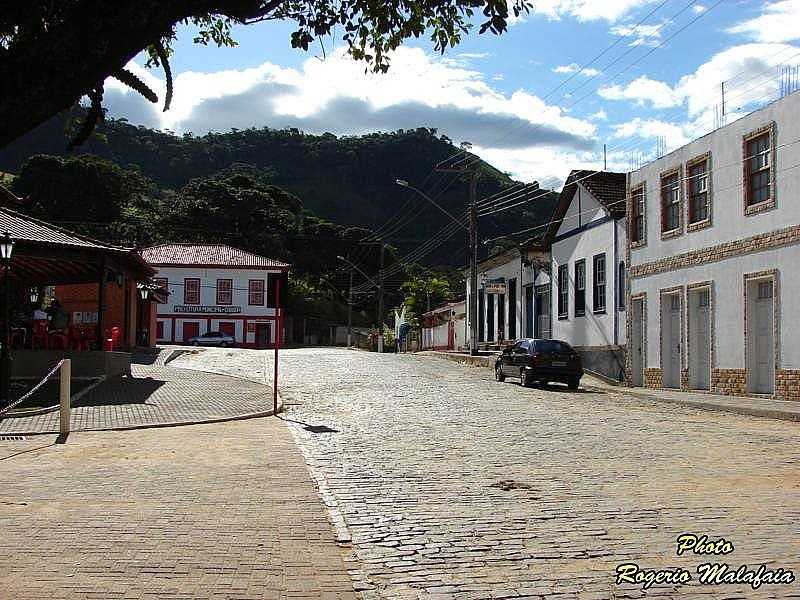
495	286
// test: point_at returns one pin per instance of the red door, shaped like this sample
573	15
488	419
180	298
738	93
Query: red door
190	330
160	330
228	328
263	335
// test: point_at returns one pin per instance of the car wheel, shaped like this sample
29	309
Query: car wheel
573	383
524	379
498	375
195	343
224	345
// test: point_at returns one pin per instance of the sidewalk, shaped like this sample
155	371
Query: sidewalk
785	410
202	512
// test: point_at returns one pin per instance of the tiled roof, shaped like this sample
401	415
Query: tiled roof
206	254
608	189
27	229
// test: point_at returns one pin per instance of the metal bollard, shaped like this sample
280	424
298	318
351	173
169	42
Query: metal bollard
64	394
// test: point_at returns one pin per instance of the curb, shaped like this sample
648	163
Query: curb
749	411
246	416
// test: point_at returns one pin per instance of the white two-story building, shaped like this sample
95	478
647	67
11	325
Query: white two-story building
587	241
714	232
214	287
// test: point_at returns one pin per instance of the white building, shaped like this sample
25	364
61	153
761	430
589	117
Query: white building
587	239
444	328
714	249
214	287
513	295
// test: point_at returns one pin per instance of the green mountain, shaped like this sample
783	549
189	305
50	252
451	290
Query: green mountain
349	181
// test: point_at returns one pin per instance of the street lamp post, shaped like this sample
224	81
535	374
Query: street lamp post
350	302
473	247
6	251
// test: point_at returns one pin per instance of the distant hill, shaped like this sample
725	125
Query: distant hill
347	180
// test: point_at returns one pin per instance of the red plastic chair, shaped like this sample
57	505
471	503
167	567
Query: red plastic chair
77	339
59	340
39	335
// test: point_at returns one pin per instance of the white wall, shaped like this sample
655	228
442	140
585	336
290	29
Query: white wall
728	305
592	329
210	321
729	223
727	201
511	268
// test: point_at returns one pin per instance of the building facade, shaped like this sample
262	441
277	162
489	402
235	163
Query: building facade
513	295
714	232
443	328
214	287
587	240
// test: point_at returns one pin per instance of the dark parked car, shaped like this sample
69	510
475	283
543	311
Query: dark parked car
213	338
540	361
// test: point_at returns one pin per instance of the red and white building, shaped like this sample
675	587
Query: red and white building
214	287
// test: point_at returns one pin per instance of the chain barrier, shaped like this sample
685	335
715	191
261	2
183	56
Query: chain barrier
33	390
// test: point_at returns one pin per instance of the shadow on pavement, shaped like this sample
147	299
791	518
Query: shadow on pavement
121	390
311	428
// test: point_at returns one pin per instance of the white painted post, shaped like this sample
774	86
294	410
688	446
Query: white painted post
64	394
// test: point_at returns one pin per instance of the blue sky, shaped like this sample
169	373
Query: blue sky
657	83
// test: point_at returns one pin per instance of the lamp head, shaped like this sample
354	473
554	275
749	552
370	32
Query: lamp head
6	247
402	182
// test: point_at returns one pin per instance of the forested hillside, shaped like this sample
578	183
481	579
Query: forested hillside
349	181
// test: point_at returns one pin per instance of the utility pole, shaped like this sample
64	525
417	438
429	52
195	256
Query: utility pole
472	209
473	265
350	311
380	301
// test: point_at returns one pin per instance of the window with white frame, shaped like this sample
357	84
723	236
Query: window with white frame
580	288
599	283
224	292
697	175
255	295
563	291
670	202
191	291
638	214
758	168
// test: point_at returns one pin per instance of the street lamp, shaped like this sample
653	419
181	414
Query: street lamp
6	252
144	292
34	294
405	184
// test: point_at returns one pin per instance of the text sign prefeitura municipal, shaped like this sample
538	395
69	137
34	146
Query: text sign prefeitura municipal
197	308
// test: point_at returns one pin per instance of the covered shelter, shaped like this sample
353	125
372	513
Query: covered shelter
98	287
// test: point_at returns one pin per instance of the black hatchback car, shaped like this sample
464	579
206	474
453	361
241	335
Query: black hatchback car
540	361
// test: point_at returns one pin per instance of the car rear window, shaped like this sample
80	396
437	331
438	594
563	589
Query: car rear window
553	346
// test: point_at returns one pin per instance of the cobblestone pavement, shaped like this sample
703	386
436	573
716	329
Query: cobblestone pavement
455	486
218	511
154	395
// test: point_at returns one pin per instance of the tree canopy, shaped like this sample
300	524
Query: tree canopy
54	53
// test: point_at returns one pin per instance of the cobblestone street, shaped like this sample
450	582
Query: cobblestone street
453	485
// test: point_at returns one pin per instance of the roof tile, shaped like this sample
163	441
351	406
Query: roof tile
206	254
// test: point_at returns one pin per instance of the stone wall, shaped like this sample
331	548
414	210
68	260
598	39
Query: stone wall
608	361
653	378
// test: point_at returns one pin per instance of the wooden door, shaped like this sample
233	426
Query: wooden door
190	330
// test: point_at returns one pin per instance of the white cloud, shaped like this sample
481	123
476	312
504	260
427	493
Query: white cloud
698	8
336	95
674	133
778	23
588	10
643	35
642	90
600	115
574	68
